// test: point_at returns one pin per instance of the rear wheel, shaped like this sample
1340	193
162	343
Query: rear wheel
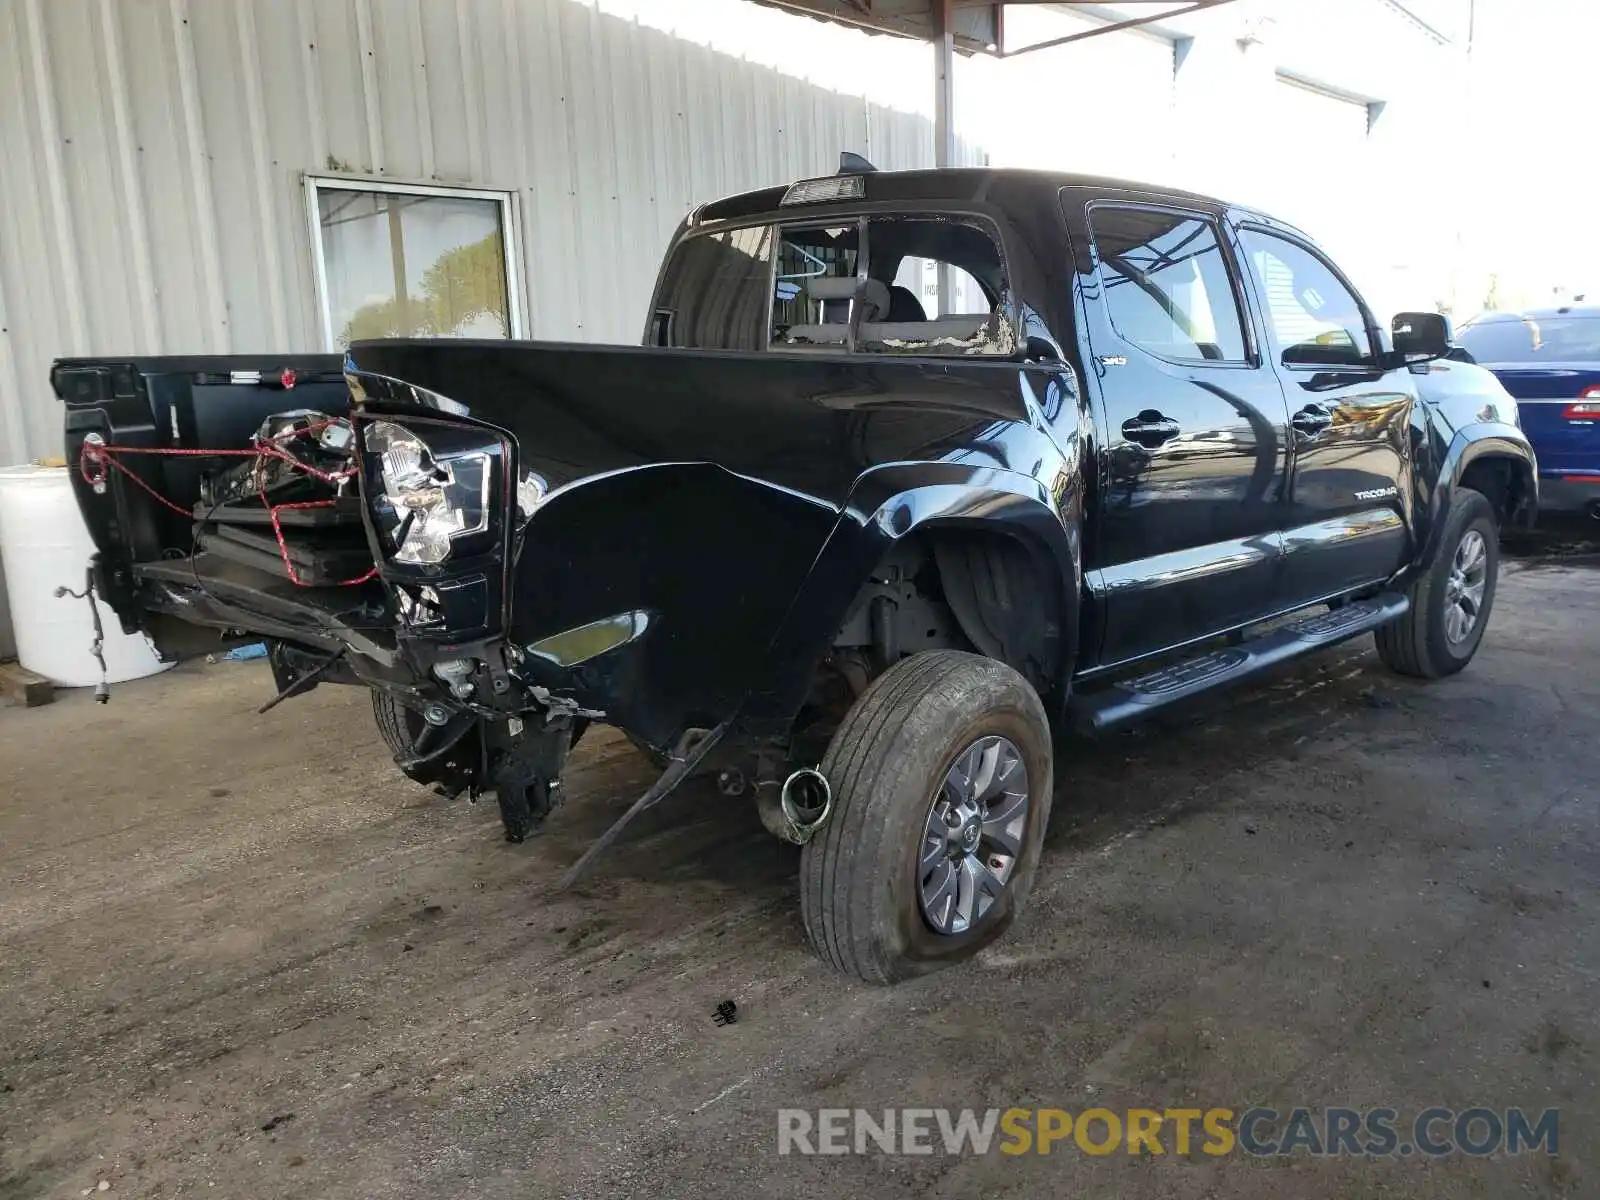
1451	602
942	778
398	725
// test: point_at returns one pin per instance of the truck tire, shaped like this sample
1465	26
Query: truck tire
941	776
1452	600
397	724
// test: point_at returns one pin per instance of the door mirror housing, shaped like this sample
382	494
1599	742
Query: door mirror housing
1420	337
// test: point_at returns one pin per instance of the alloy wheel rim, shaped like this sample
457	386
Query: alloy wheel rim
972	837
1469	580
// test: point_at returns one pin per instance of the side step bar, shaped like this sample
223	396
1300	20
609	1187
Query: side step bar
1132	699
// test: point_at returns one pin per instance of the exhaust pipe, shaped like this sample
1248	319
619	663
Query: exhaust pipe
804	803
1594	510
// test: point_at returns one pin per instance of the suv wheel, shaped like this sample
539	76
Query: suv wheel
942	778
1451	602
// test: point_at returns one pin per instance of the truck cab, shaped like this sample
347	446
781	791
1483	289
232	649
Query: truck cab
1257	454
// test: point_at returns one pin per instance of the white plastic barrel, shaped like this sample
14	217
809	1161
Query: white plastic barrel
43	546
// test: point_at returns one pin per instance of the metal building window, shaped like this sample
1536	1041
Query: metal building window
408	260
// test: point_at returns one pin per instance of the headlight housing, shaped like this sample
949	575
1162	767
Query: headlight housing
427	497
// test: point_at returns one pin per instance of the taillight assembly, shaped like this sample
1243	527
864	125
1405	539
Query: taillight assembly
432	490
1586	408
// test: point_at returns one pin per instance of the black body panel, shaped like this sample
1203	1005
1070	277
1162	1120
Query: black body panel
740	500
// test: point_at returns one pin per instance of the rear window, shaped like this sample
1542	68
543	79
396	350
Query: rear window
1530	339
851	285
713	294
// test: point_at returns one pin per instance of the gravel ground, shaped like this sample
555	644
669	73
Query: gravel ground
239	956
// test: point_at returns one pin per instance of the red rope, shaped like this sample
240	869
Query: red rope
283	549
96	459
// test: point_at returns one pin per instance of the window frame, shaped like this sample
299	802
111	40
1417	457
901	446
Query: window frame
1252	350
510	238
1375	345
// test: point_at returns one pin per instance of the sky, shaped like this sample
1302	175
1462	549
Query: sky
1518	148
1529	170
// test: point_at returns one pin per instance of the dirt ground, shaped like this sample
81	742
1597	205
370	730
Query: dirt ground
240	956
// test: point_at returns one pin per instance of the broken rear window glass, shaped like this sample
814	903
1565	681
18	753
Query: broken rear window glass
815	285
916	285
826	296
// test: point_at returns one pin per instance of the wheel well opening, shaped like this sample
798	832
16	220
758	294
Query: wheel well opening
1502	481
955	589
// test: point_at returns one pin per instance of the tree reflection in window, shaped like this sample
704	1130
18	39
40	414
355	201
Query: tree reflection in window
403	265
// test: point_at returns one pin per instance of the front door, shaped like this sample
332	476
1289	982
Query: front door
1193	429
1350	422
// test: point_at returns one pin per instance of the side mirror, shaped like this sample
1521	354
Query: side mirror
1421	337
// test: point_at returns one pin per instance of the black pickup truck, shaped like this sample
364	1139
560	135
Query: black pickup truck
911	468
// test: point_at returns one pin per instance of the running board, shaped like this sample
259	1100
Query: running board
1131	699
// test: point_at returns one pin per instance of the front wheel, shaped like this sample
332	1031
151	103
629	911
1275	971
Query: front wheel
1451	602
942	778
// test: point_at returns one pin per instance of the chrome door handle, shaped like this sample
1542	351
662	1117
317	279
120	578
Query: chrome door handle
1150	428
1312	419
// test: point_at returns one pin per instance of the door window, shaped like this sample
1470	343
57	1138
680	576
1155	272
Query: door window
1317	319
1166	283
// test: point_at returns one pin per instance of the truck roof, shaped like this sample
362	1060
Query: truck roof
942	184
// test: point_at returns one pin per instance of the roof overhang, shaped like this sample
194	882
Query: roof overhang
977	26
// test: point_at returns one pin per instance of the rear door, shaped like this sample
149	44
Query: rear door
1348	517
1193	460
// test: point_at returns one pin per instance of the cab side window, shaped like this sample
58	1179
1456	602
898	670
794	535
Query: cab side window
1317	320
1166	283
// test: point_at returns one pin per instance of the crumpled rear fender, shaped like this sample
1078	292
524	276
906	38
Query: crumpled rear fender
896	501
699	563
729	589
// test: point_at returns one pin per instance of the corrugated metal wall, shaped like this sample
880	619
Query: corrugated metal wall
153	151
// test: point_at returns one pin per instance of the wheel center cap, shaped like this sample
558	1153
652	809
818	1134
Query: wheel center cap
970	832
